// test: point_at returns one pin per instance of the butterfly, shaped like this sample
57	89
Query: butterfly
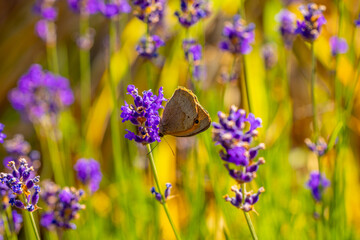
183	115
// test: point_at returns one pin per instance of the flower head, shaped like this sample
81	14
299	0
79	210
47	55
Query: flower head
192	11
63	206
20	182
238	36
158	195
246	204
144	114
287	26
310	27
88	172
338	45
2	135
149	11
317	184
193	54
45	9
149	45
84	6
319	148
41	95
113	8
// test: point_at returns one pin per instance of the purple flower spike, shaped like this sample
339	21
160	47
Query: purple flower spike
158	195
193	54
41	95
287	26
192	11
144	114
113	8
2	135
88	172
149	12
91	6
19	183
314	19
238	36
338	46
149	45
319	148
62	206
317	184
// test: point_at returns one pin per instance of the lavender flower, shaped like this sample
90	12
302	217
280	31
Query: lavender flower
250	199
192	11
149	11
239	36
310	28
235	134
149	45
84	6
20	182
338	45
144	114
287	26
63	206
2	135
357	21
158	195
88	172
269	54
317	184
45	9
45	28
319	148
41	95
113	8
193	54
16	222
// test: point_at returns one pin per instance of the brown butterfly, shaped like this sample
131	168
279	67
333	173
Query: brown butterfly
183	115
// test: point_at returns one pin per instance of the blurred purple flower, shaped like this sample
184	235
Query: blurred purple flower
193	54
250	199
317	184
357	21
41	94
338	45
149	11
2	135
63	206
149	45
310	28
45	9
17	219
144	115
158	195
84	6
113	8
192	11
88	172
238	36
287	26
319	148
20	182
17	145
269	54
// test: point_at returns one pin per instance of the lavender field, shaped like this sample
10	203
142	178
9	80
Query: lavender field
180	119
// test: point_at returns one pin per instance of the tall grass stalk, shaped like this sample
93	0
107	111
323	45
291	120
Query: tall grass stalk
31	218
163	202
312	90
51	50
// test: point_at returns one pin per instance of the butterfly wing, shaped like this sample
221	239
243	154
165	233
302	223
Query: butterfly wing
179	114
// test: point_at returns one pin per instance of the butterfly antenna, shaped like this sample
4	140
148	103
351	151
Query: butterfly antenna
169	146
152	148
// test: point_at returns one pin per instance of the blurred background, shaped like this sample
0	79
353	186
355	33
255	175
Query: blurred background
123	207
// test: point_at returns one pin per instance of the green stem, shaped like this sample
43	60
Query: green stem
85	73
33	224
115	131
313	72
153	167
52	56
245	84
